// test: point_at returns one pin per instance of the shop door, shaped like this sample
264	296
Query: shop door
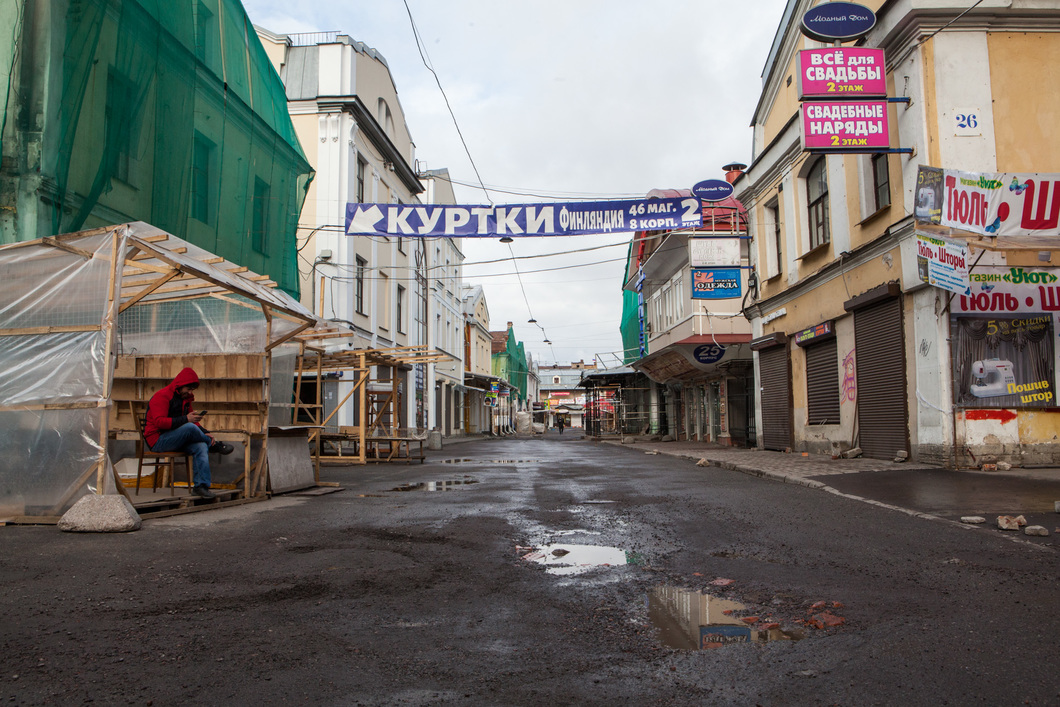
775	369
883	423
715	412
741	411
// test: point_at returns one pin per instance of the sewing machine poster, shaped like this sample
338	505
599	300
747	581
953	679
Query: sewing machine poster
991	203
1004	362
943	263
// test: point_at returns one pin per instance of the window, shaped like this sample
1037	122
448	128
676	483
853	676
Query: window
121	103
881	181
817	197
773	222
400	309
362	168
260	219
358	293
386	120
202	157
204	34
384	291
679	298
555	380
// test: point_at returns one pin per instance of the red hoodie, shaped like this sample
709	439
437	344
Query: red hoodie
160	411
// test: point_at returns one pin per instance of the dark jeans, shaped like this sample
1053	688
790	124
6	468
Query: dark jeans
190	438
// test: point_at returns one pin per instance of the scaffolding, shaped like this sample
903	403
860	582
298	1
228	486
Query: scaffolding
377	434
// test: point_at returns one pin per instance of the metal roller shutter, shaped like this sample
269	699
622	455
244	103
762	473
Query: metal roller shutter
822	383
883	421
774	368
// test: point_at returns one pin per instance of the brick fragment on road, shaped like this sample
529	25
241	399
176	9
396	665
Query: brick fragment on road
1011	522
1035	530
973	519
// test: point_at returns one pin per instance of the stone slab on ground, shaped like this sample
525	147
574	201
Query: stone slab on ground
111	513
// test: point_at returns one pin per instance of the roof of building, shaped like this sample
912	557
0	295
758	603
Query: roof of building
500	341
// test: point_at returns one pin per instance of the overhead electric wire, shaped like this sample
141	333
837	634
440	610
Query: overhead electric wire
437	80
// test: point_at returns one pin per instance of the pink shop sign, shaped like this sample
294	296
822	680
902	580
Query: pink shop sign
846	126
841	72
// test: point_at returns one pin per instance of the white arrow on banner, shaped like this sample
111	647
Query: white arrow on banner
365	221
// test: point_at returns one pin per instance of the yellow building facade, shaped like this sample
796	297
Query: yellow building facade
852	348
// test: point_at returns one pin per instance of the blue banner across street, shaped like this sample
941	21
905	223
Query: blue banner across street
557	219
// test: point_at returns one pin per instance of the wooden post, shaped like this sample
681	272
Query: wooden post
363	398
109	324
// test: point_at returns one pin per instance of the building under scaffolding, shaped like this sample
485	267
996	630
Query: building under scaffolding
620	402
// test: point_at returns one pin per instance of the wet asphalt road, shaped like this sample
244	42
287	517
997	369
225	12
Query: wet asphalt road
377	596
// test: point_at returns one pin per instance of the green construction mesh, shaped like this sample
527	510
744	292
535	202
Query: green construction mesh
164	111
630	327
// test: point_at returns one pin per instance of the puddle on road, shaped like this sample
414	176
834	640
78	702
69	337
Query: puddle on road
692	620
435	485
491	461
566	559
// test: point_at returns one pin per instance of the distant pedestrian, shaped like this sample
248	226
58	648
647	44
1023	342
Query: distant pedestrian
559	424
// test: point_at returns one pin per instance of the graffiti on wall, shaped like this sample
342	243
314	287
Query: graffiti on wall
850	381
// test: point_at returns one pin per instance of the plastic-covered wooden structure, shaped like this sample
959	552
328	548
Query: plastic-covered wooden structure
93	323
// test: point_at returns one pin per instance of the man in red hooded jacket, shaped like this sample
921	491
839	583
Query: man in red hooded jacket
173	426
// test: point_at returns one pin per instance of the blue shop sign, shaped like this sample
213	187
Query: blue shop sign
712	190
837	22
716	283
709	353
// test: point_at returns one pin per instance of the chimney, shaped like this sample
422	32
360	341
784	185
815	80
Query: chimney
733	171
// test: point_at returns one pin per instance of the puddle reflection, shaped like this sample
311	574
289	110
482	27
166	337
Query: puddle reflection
435	485
565	559
691	620
490	461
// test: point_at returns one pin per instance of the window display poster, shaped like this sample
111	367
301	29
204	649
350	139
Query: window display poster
1003	361
943	263
714	252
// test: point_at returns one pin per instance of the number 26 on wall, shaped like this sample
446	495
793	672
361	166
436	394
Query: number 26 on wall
966	122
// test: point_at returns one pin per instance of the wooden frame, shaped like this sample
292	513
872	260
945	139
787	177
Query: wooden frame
377	436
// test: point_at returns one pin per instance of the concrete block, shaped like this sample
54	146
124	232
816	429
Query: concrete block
434	439
1035	530
111	513
971	520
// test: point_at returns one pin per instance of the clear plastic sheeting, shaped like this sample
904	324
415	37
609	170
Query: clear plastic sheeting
49	286
281	386
205	325
52	369
50	459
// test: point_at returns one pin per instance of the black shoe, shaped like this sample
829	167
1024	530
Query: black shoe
219	447
203	491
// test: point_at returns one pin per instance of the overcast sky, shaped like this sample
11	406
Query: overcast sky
562	100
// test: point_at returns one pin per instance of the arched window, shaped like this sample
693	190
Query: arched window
386	120
817	203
